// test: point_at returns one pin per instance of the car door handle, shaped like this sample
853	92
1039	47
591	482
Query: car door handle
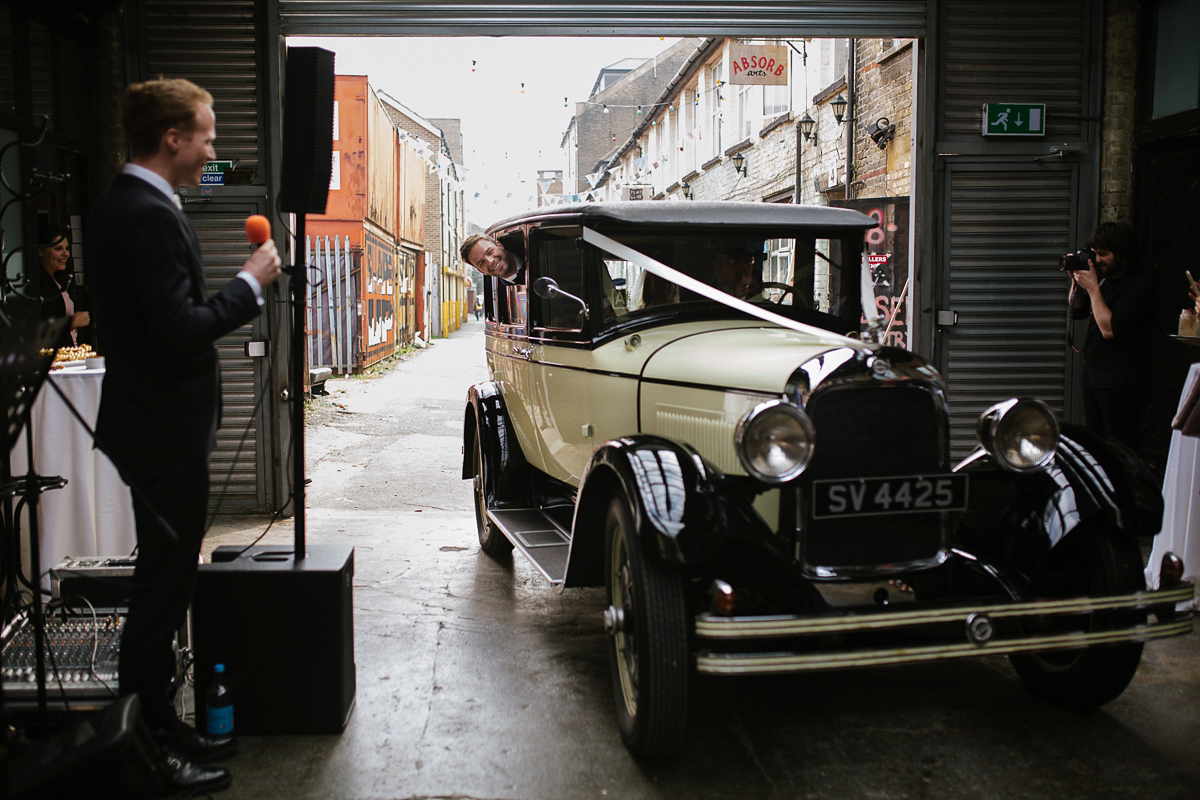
524	352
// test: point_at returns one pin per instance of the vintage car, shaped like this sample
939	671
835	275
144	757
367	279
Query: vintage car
686	408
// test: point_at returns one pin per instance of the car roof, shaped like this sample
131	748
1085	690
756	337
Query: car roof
665	213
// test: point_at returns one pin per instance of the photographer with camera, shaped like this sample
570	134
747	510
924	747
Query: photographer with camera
1116	297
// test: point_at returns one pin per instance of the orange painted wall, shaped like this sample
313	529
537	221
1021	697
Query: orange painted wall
348	191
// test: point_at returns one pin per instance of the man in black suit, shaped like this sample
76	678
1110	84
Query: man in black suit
160	404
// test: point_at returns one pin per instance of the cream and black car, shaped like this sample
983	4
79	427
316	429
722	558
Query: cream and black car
687	407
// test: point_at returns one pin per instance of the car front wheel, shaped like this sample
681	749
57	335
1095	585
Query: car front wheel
1094	564
491	540
648	639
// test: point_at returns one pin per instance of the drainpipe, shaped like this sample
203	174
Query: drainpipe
797	194
850	118
799	138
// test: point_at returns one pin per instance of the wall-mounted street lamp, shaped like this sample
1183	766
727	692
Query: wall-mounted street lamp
881	131
808	127
839	108
687	190
739	164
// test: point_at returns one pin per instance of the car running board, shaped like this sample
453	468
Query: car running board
539	537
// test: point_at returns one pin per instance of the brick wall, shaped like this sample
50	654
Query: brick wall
1116	129
770	164
595	130
883	88
108	94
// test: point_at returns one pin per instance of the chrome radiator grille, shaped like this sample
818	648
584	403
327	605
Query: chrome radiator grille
867	430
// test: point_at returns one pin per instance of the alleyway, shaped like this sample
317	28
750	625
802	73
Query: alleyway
475	680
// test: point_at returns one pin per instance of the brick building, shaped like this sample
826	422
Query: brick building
620	99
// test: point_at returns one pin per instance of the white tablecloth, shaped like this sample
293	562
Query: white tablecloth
1181	501
93	514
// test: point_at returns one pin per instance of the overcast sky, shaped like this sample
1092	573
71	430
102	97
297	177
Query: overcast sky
510	131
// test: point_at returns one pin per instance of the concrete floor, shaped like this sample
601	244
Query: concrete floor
476	681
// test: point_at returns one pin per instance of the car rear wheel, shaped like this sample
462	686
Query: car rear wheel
1096	563
648	639
491	540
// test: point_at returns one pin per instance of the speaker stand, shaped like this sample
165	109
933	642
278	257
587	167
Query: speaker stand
299	284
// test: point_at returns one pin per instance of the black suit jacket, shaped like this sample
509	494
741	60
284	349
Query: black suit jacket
161	396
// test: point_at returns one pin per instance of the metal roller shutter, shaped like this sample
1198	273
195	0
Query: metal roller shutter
236	461
1011	207
1031	50
904	18
214	44
1006	229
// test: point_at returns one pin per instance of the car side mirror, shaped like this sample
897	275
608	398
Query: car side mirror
548	289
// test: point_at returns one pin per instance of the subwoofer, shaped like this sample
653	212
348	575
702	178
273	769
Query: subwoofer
307	130
284	631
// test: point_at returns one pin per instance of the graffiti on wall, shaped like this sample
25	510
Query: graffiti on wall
380	293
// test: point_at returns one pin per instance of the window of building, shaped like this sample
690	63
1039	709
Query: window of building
745	112
775	100
1177	57
714	105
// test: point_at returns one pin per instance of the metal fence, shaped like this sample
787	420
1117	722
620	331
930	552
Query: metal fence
334	334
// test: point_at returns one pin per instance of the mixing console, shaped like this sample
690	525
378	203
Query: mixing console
81	654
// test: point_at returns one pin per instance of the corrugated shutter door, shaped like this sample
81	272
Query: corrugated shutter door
612	18
1020	51
1006	228
1010	210
213	44
234	474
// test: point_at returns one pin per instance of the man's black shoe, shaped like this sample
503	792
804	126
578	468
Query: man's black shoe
182	776
189	742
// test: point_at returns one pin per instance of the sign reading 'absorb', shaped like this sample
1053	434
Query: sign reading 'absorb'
758	64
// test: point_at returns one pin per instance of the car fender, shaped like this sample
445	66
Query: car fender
1017	519
676	498
506	473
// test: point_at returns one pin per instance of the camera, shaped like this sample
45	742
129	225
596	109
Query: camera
1077	260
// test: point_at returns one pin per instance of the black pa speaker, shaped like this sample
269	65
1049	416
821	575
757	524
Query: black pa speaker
284	631
307	130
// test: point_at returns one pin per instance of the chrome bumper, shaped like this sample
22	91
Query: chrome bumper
980	637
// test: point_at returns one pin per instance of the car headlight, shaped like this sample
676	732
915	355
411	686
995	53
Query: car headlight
1022	435
774	441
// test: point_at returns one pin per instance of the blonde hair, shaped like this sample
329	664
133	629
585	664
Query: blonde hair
154	107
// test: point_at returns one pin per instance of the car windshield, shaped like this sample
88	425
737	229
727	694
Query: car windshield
786	274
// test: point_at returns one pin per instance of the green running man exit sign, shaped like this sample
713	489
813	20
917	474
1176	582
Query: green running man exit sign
1014	119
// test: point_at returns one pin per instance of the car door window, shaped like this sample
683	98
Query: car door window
559	257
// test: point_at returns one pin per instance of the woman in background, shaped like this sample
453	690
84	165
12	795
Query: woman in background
57	290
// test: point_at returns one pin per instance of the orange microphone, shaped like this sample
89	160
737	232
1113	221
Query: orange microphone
258	228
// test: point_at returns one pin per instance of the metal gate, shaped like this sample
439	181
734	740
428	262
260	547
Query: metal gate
334	336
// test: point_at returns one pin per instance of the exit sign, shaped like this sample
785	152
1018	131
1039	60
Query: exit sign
214	173
1014	119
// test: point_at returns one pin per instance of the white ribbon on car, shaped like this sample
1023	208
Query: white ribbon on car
678	278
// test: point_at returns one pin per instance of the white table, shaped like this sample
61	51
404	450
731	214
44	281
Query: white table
93	514
1181	502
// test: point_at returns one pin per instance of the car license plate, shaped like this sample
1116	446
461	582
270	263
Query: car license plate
894	495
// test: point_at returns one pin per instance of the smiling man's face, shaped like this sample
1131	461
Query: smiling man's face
491	258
